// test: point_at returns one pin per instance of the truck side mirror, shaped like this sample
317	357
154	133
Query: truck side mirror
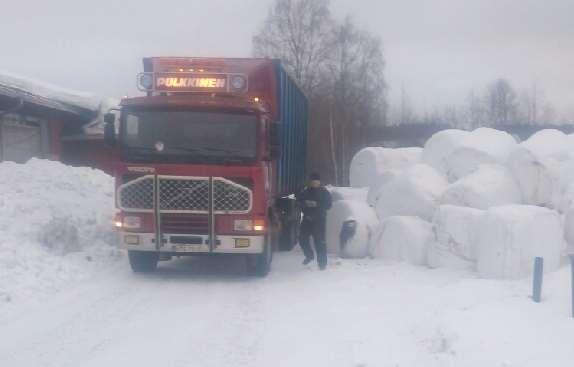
274	140
110	129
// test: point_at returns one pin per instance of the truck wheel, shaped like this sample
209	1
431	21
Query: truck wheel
260	265
143	262
288	236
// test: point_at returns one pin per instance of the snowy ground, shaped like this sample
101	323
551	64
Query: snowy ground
203	312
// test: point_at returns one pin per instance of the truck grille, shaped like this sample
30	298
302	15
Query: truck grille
185	224
185	195
137	194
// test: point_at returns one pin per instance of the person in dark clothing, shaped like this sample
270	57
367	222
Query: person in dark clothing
315	200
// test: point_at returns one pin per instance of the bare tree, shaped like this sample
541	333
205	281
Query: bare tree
297	32
502	103
476	114
339	66
356	89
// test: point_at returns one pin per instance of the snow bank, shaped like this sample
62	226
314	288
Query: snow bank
414	192
369	163
402	238
454	239
366	219
490	185
481	146
440	146
54	222
510	237
348	193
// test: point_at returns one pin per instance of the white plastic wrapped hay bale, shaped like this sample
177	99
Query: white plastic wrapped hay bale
366	223
534	176
491	185
481	146
348	193
440	146
464	161
402	238
369	163
567	199
548	143
455	232
384	177
414	192
569	228
543	166
512	236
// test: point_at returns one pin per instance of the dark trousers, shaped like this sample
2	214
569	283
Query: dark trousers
315	229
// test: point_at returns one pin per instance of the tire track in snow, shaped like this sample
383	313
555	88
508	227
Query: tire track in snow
185	319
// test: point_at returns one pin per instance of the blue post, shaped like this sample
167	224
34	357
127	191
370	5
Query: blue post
537	279
572	268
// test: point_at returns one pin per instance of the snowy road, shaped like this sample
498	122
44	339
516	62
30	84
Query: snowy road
198	312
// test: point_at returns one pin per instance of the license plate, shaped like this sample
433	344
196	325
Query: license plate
186	248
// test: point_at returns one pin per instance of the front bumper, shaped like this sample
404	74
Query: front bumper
176	244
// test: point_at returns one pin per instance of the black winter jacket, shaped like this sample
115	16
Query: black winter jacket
321	196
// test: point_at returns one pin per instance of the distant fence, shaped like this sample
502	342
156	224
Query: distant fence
407	135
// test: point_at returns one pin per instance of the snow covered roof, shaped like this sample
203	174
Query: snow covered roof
47	95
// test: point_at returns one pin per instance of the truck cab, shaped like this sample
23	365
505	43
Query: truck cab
209	159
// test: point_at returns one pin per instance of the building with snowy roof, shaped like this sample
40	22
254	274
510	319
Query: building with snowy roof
46	121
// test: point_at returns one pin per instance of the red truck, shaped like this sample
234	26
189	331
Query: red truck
210	158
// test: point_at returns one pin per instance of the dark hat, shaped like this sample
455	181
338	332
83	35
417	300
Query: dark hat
314	176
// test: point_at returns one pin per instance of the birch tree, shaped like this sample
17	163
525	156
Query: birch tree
297	32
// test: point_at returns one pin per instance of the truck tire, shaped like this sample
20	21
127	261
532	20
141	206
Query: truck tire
288	236
143	262
260	265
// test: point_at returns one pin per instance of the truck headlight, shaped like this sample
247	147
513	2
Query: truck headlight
243	225
259	225
132	222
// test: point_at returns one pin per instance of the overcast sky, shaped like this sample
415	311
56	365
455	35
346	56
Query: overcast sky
437	49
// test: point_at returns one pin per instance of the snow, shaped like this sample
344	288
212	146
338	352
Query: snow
403	238
46	90
204	312
96	126
55	227
366	219
414	192
369	163
454	239
510	237
490	185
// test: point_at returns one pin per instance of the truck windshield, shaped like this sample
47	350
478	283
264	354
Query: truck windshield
189	135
